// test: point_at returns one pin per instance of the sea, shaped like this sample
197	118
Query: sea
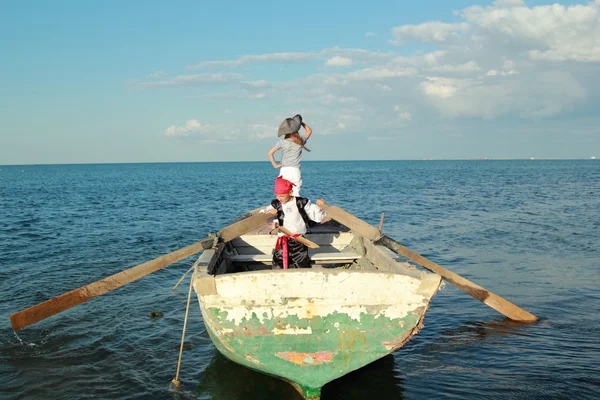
528	230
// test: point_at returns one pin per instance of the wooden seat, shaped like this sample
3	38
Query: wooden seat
317	258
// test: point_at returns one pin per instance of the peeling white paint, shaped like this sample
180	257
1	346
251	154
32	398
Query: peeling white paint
270	295
289	330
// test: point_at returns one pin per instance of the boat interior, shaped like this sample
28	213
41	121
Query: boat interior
339	248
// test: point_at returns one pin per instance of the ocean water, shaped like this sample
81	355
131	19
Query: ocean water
527	230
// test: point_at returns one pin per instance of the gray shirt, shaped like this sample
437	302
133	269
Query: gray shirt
291	153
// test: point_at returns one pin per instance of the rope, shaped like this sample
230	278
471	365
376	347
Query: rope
215	241
178	282
193	266
187	309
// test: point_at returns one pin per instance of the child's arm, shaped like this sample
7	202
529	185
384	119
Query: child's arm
272	157
314	211
308	131
271	211
268	210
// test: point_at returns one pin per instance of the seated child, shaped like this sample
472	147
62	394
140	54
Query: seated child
295	214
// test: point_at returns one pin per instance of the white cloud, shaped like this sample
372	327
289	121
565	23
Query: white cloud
380	73
338	61
546	94
429	31
551	32
331	99
467	67
402	114
257	59
440	87
222	133
368	34
337	54
190	127
263	131
493	63
220	78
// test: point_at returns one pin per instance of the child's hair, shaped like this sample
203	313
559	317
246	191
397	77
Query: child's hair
295	137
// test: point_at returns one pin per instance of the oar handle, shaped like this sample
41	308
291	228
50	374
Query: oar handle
494	301
299	239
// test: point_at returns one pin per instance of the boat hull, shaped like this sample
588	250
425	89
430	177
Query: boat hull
310	327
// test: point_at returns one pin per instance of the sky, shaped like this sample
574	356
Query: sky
186	81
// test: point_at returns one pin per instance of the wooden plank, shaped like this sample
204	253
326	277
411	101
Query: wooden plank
384	260
355	224
299	239
269	250
340	240
239	228
337	256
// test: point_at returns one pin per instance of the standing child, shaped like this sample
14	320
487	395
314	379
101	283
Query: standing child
294	214
291	150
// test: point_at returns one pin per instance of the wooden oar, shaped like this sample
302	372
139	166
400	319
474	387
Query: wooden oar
299	239
67	300
496	302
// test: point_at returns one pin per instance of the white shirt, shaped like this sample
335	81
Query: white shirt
292	220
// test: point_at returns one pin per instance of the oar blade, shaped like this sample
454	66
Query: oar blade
492	300
70	299
80	295
487	297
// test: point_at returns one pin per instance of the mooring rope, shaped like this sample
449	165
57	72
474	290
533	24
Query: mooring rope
188	271
216	239
187	309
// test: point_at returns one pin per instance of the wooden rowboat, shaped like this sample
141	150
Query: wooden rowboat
356	304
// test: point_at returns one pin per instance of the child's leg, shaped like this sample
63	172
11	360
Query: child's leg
298	255
277	262
293	175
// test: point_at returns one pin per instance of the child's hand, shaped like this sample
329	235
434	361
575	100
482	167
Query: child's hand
321	202
277	166
272	212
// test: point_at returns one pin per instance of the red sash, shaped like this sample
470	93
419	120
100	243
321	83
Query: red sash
282	242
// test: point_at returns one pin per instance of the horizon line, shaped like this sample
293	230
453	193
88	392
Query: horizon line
308	161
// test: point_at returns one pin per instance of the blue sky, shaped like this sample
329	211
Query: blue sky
150	81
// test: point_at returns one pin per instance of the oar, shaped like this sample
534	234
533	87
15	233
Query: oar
299	239
496	302
67	300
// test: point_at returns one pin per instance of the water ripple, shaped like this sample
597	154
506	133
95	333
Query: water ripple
529	231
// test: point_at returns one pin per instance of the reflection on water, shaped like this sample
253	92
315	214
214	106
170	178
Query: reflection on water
472	332
225	380
378	379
